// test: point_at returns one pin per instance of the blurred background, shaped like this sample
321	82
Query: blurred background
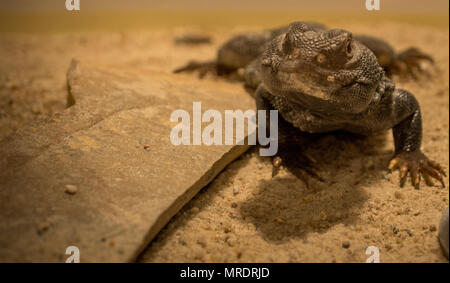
51	15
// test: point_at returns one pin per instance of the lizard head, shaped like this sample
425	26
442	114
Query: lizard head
317	67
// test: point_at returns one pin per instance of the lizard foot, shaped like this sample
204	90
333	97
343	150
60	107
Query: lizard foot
418	165
302	167
203	68
407	63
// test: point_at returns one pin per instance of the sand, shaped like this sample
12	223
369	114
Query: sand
245	215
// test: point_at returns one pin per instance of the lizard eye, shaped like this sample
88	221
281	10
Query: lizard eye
321	58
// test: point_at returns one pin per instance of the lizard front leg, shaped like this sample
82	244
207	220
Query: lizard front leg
291	141
407	138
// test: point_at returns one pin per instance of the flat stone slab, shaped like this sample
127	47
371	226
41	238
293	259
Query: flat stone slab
103	175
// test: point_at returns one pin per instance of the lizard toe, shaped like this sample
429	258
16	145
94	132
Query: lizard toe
417	165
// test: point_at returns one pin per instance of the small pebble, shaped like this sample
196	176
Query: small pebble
224	237
395	230
409	232
43	228
201	242
235	190
346	244
71	189
433	228
199	255
231	241
233	216
147	146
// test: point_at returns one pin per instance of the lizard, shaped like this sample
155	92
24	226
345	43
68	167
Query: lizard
241	55
323	80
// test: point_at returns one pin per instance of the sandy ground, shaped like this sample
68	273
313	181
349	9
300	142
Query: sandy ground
245	215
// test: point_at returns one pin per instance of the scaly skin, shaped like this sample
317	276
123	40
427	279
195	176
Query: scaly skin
323	80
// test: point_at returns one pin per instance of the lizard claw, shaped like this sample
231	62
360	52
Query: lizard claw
276	162
418	165
302	167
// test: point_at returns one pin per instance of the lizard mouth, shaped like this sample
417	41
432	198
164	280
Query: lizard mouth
359	81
